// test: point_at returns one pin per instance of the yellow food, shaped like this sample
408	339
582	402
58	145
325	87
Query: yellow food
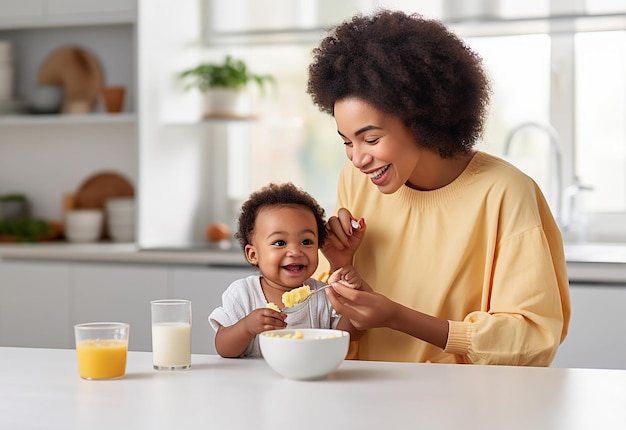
294	335
295	296
272	305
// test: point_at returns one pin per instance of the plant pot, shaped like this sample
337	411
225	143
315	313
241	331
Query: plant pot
225	103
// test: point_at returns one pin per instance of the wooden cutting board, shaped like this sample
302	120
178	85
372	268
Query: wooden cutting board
95	190
78	72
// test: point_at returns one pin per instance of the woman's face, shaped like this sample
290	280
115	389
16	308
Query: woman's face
284	245
378	144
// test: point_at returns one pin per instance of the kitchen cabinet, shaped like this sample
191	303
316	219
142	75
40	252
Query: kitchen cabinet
204	288
597	330
35	309
108	292
41	301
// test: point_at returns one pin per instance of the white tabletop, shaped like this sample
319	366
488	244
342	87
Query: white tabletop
41	389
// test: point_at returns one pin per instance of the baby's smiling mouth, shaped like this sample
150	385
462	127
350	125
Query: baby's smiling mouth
294	267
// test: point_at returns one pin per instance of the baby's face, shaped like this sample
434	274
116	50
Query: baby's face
285	245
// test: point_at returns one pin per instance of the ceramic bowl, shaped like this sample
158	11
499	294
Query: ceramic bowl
122	232
120	205
314	356
83	225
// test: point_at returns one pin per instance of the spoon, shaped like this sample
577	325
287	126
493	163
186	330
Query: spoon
300	305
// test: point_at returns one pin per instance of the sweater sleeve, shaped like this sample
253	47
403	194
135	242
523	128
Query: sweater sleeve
523	320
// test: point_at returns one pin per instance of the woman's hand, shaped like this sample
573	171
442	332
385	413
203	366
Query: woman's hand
364	309
368	309
348	276
343	239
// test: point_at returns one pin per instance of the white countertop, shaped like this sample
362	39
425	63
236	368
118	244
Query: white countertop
41	389
586	262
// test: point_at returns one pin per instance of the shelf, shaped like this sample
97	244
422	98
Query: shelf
252	119
61	119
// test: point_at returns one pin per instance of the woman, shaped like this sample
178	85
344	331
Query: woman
464	258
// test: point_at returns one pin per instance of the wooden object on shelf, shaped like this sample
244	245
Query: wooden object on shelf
95	190
98	188
80	75
113	98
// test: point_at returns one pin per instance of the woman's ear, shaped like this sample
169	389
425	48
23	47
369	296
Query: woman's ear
251	255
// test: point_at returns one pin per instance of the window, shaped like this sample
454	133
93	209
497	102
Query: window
549	64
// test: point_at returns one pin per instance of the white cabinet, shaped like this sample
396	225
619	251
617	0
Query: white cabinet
109	292
597	333
41	301
204	287
35	305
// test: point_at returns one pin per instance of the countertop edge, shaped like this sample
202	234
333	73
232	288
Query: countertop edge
579	270
120	253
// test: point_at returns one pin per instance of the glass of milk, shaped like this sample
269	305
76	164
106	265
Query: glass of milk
171	334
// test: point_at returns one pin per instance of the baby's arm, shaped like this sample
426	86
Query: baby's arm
232	341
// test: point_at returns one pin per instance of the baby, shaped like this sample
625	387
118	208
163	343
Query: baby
280	229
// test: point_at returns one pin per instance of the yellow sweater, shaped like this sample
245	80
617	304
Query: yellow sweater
483	252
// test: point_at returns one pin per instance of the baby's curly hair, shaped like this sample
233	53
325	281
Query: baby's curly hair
409	67
286	194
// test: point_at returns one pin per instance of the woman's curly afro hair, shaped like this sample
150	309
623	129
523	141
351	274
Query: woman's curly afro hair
409	67
286	194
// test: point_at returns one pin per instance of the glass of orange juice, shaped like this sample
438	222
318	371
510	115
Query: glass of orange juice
101	349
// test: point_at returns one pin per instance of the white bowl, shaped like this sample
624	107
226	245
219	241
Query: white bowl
122	233
122	218
317	354
84	217
83	233
120	205
83	225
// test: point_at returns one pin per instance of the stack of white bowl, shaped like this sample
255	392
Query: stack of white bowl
120	215
83	225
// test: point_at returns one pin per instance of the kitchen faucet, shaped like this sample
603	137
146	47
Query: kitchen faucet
555	145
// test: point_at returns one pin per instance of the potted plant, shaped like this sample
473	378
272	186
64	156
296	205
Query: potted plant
223	85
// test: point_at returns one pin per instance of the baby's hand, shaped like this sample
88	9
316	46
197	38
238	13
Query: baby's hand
263	319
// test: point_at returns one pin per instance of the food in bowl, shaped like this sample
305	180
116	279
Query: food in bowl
295	296
304	353
294	335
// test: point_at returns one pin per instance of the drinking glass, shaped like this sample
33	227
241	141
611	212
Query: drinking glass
101	349
171	334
